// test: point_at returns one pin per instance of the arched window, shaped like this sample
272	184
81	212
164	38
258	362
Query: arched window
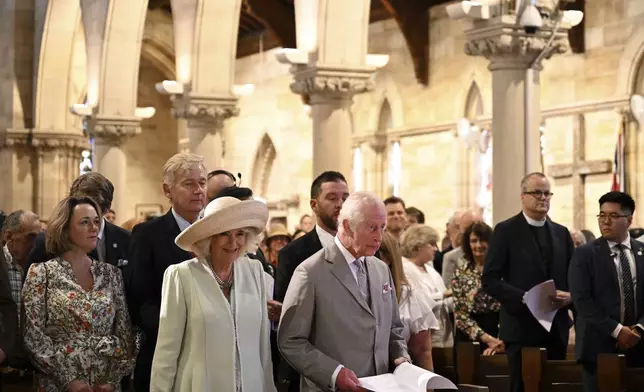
264	159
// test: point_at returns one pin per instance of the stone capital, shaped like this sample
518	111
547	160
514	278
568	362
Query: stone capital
508	46
204	111
112	130
327	82
45	140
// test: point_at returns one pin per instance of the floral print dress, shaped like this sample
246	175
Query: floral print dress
475	311
74	334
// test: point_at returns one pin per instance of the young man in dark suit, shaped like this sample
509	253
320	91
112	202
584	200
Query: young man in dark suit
606	280
526	250
113	241
328	192
153	250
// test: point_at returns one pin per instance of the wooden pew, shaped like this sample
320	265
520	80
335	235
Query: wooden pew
474	368
541	375
444	364
614	376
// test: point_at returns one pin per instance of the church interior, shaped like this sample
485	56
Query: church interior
444	104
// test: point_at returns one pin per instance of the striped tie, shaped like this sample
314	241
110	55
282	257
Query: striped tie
627	287
363	283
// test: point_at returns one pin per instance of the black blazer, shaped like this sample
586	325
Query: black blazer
513	266
290	257
595	290
117	247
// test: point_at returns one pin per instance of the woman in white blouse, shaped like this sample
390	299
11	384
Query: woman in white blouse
419	245
214	328
415	306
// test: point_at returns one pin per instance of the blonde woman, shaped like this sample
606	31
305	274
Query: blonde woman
214	328
415	306
419	245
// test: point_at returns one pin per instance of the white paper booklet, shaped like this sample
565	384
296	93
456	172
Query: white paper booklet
406	378
539	301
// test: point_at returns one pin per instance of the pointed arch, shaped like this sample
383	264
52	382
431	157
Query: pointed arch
385	120
473	102
264	159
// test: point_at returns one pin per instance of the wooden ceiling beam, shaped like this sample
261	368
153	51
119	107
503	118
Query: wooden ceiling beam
412	17
278	16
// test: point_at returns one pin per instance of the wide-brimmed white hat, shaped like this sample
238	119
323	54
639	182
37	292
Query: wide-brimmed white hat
221	215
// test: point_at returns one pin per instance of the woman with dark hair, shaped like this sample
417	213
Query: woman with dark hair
414	305
476	313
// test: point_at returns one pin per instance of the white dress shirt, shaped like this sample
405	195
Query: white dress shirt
183	224
325	237
533	222
631	262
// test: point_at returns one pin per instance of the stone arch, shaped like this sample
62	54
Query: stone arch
631	65
473	102
385	120
387	91
263	165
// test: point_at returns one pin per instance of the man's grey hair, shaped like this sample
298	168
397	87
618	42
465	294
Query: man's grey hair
202	247
455	215
14	221
181	163
353	208
524	181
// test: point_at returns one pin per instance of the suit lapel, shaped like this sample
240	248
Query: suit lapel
342	272
374	287
111	246
638	254
531	247
172	231
604	257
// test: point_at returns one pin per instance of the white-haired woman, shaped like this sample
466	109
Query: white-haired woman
214	328
419	245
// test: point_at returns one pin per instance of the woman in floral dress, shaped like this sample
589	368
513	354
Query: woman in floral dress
476	313
77	327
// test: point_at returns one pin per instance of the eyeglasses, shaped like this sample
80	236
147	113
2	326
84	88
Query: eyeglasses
611	217
539	194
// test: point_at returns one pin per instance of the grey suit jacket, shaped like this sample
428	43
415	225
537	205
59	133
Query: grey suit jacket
451	261
326	322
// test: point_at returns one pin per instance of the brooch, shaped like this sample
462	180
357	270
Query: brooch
639	252
121	262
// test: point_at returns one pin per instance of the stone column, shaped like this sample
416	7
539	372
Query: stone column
109	158
331	92
205	117
515	112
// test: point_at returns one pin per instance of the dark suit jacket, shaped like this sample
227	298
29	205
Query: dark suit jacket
8	310
152	250
117	247
595	290
290	257
513	265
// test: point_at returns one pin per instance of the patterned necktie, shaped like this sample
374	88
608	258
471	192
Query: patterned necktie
627	287
362	280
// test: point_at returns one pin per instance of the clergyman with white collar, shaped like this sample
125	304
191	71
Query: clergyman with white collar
524	251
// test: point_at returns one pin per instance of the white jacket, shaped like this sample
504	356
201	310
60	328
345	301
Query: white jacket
195	347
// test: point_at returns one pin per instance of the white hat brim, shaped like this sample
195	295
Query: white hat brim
248	214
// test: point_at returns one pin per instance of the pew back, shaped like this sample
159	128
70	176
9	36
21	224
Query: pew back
444	364
614	376
541	375
473	368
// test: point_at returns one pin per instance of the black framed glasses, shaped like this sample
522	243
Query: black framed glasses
611	217
539	194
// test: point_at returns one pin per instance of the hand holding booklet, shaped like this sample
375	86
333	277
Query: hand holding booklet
406	378
539	302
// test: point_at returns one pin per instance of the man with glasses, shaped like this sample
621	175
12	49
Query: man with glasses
607	285
524	251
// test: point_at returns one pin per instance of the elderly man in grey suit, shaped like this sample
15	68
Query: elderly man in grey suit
454	258
340	315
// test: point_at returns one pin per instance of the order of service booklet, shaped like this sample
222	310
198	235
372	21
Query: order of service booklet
406	378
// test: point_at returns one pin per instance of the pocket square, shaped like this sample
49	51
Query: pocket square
121	263
386	288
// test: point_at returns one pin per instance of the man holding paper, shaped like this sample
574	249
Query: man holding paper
607	285
525	251
340	315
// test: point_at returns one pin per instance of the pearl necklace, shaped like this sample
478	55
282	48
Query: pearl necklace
228	284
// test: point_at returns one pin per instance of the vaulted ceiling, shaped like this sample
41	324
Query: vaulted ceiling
267	24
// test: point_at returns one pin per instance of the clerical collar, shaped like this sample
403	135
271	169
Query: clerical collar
533	222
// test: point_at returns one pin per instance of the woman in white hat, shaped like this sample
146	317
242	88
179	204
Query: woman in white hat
214	328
